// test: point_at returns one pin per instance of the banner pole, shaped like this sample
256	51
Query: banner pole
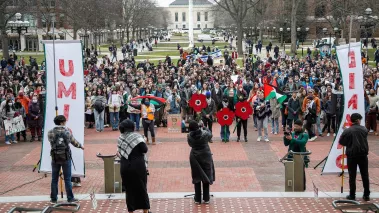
55	97
343	168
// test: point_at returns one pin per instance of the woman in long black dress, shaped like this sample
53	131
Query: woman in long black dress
132	149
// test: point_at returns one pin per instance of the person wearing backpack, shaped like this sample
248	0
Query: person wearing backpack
60	138
114	103
98	103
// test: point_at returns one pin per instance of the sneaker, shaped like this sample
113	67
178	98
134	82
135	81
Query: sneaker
14	141
267	140
206	202
74	200
238	139
349	197
227	140
320	135
97	130
223	140
7	142
196	202
366	198
275	133
245	139
53	202
76	184
371	130
334	134
259	138
313	138
328	134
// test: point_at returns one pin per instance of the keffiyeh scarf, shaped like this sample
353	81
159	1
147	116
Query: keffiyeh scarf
126	143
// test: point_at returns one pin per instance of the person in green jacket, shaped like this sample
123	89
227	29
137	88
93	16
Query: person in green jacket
231	93
297	140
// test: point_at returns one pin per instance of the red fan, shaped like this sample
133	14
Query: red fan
198	102
243	110
225	117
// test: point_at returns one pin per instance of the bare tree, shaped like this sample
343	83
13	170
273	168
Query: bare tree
238	10
8	9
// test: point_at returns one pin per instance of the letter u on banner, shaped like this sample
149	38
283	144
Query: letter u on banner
69	84
352	77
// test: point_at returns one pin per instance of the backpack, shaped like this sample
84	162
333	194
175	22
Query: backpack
98	105
60	151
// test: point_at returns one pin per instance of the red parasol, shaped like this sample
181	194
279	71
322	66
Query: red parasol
198	102
225	117
243	110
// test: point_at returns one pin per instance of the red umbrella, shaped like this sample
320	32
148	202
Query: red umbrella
225	117
198	102
243	110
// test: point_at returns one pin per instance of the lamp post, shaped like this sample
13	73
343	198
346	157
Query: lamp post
325	30
337	33
288	30
281	36
368	23
18	26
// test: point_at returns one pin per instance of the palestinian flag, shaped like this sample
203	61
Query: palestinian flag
271	92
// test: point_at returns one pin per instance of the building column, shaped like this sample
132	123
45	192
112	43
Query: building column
22	42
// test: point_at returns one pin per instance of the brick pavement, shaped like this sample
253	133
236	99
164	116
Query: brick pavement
242	167
218	205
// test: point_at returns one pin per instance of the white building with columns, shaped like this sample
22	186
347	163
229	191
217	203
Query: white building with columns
203	16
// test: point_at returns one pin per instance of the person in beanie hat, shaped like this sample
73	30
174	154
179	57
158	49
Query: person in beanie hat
296	142
355	140
201	161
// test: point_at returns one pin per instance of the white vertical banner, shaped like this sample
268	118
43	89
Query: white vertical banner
350	64
67	87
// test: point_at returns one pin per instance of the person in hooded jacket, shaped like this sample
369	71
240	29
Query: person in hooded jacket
240	122
201	161
35	119
207	113
225	132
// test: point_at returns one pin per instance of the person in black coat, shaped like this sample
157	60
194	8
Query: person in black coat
208	112
201	161
355	140
132	149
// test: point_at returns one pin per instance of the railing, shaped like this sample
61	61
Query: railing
57	207
351	205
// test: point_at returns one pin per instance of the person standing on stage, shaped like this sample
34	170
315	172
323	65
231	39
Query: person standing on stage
60	137
355	140
202	167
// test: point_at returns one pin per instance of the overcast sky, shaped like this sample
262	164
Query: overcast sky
164	3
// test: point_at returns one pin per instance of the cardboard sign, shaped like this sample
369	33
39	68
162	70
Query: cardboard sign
115	100
174	123
14	125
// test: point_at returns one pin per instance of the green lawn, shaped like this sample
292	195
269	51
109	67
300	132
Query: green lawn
38	57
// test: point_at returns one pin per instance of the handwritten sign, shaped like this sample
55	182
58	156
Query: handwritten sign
14	125
115	100
174	123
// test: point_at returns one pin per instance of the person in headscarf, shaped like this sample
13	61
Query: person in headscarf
147	112
207	113
201	161
132	149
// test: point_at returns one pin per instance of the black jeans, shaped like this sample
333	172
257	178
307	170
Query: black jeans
308	127
208	122
330	121
206	195
148	127
352	164
244	125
